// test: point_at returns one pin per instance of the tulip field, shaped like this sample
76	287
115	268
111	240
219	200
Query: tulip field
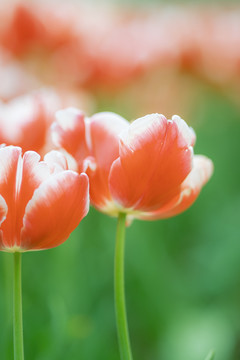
119	181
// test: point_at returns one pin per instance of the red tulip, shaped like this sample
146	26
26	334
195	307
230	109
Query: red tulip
41	202
25	120
146	169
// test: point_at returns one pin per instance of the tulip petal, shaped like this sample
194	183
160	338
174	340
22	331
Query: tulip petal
3	209
105	128
10	177
23	123
33	173
188	134
104	136
3	215
68	132
56	161
155	158
56	208
190	189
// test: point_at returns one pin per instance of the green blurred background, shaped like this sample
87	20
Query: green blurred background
182	274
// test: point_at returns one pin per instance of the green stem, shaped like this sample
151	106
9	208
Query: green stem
121	316
17	309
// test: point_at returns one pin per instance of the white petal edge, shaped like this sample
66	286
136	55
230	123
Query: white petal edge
186	131
56	161
140	128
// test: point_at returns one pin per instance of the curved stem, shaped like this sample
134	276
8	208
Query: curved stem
121	316
17	309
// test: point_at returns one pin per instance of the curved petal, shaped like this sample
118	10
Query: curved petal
68	132
104	130
33	173
3	215
190	189
56	161
188	134
23	123
155	158
10	178
55	210
3	209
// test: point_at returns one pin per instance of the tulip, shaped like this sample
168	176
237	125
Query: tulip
41	203
146	170
25	120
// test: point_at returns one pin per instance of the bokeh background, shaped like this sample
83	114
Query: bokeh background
182	274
